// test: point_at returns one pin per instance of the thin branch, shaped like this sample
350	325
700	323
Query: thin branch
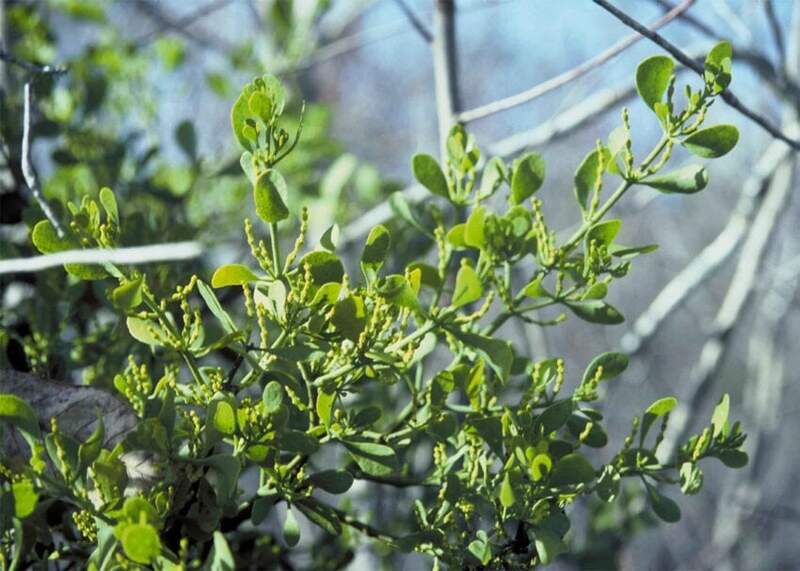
180	24
735	300
776	78
727	95
704	264
122	256
560	126
415	20
445	67
570	75
688	18
777	32
564	123
28	172
33	68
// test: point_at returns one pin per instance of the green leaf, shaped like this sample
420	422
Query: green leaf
588	175
527	177
291	529
665	508
596	311
481	548
269	193
456	235
608	484
397	290
718	66
142	330
225	470
429	276
232	275
662	406
375	459
18	413
685	180
496	352
604	232
377	247
90	450
474	385
468	286
507	496
652	78
429	174
128	296
548	545
656	410
298	442
719	418
109	202
490	429
25	498
572	469
46	240
493	175
556	415
332	481
216	308
734	458
613	365
712	142
473	229
221	558
325	267
349	317
272	397
321	515
261	509
535	289
223	417
324	406
186	137
140	542
330	239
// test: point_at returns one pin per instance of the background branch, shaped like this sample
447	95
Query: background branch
727	95
28	171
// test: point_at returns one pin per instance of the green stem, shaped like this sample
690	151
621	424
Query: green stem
613	199
276	252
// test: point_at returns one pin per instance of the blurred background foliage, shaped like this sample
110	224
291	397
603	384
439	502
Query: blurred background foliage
143	108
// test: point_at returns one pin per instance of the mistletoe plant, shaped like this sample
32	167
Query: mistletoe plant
323	390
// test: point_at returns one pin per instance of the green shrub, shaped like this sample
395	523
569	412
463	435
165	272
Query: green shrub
327	379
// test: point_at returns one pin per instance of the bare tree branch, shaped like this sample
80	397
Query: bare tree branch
165	21
777	32
28	172
560	126
123	256
727	95
703	266
445	67
415	20
565	123
738	293
31	67
776	78
570	75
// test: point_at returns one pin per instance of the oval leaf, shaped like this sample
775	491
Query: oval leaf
269	191
429	174
652	78
527	177
713	142
685	180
